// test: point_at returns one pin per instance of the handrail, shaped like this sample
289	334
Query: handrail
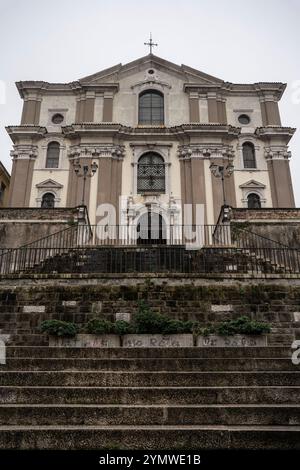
239	248
259	236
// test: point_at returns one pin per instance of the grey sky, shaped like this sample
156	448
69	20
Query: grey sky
63	40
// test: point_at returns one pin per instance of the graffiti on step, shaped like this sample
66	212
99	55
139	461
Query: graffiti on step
296	353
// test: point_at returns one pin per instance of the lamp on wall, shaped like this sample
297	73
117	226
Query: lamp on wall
85	171
220	171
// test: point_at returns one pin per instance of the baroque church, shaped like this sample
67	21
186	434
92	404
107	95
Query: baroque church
190	342
148	134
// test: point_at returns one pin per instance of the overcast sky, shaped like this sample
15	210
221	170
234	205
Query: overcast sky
64	40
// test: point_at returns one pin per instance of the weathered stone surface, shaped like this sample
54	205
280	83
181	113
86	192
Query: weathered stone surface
69	303
34	308
24	304
221	308
86	341
123	316
297	316
158	341
237	341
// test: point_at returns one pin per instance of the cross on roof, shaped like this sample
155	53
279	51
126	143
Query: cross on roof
150	43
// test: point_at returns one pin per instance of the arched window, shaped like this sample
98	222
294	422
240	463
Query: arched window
48	201
151	107
52	158
151	173
249	155
253	201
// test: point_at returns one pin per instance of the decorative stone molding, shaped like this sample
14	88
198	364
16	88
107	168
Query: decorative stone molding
161	149
253	187
152	84
96	151
49	186
277	153
24	151
205	151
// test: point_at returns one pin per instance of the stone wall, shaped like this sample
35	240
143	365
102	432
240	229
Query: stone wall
281	225
19	226
24	304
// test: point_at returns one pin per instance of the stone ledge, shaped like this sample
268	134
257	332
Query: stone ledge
235	341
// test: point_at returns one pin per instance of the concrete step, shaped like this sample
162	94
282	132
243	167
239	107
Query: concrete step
65	352
149	395
107	415
186	364
149	437
146	378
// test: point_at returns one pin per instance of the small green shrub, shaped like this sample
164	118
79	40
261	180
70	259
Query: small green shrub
59	328
177	327
99	326
242	325
206	331
122	327
149	322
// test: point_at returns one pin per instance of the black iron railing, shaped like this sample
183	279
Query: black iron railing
122	249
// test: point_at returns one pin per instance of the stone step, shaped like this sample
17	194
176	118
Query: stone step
145	379
107	415
149	437
66	352
186	364
149	395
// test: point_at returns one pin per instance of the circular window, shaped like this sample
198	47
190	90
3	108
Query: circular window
151	72
57	118
244	119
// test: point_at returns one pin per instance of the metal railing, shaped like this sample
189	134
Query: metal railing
121	249
266	250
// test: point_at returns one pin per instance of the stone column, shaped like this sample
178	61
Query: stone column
31	111
270	111
198	184
108	107
80	108
110	177
193	190
22	172
222	116
89	106
212	108
280	179
194	107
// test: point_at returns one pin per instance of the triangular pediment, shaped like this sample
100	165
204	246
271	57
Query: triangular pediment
252	184
115	73
47	184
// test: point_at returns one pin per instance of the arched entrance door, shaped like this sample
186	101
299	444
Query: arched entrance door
151	229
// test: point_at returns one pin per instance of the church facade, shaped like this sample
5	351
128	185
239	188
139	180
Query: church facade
147	136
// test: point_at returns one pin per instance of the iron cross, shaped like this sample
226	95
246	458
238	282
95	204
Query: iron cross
150	43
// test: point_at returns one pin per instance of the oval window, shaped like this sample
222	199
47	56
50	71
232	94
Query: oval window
57	118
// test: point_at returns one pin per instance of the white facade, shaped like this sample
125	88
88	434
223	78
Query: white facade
201	125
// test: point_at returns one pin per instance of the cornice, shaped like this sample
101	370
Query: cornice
241	89
75	130
40	88
27	131
275	131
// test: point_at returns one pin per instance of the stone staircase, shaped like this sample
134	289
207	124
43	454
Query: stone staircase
192	398
149	259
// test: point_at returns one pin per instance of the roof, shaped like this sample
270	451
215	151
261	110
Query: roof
108	79
4	170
